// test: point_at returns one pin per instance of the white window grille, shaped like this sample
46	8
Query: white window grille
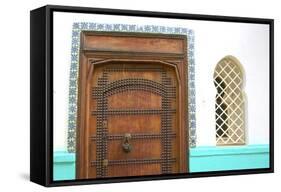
230	111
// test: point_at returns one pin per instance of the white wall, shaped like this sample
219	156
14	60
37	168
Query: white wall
248	43
213	40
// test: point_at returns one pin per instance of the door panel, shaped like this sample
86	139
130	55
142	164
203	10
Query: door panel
134	120
135	99
136	169
140	149
140	108
134	124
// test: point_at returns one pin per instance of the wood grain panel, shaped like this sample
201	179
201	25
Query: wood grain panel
92	151
92	172
134	100
145	148
134	124
150	75
136	44
133	170
92	125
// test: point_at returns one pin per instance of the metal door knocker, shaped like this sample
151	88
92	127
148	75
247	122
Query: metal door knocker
127	147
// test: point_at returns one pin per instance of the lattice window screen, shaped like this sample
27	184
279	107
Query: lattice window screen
230	112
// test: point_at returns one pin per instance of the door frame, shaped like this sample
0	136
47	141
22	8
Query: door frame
87	63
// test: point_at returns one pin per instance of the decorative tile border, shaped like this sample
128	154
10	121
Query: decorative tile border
74	68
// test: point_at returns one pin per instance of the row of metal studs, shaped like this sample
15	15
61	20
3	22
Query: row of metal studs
166	130
101	150
134	136
134	111
135	161
170	92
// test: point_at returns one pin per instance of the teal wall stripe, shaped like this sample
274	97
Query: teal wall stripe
220	158
64	165
202	159
228	150
63	156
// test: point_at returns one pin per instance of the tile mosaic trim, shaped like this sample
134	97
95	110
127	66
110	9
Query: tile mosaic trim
74	68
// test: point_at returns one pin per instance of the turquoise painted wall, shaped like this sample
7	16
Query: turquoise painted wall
201	159
64	165
229	158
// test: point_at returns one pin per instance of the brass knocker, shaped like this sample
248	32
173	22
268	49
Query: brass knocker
127	147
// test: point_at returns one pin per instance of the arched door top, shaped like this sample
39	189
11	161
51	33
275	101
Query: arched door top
135	84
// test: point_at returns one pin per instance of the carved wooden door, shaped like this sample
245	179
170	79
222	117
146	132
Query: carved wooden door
132	116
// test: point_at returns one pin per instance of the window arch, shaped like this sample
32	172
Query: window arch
230	102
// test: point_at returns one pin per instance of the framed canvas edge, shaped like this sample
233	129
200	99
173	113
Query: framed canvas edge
48	128
38	95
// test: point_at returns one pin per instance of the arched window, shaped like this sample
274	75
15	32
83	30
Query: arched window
229	107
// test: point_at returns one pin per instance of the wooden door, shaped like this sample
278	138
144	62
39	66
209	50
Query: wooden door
132	108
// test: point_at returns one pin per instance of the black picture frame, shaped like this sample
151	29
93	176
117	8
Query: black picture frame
41	93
